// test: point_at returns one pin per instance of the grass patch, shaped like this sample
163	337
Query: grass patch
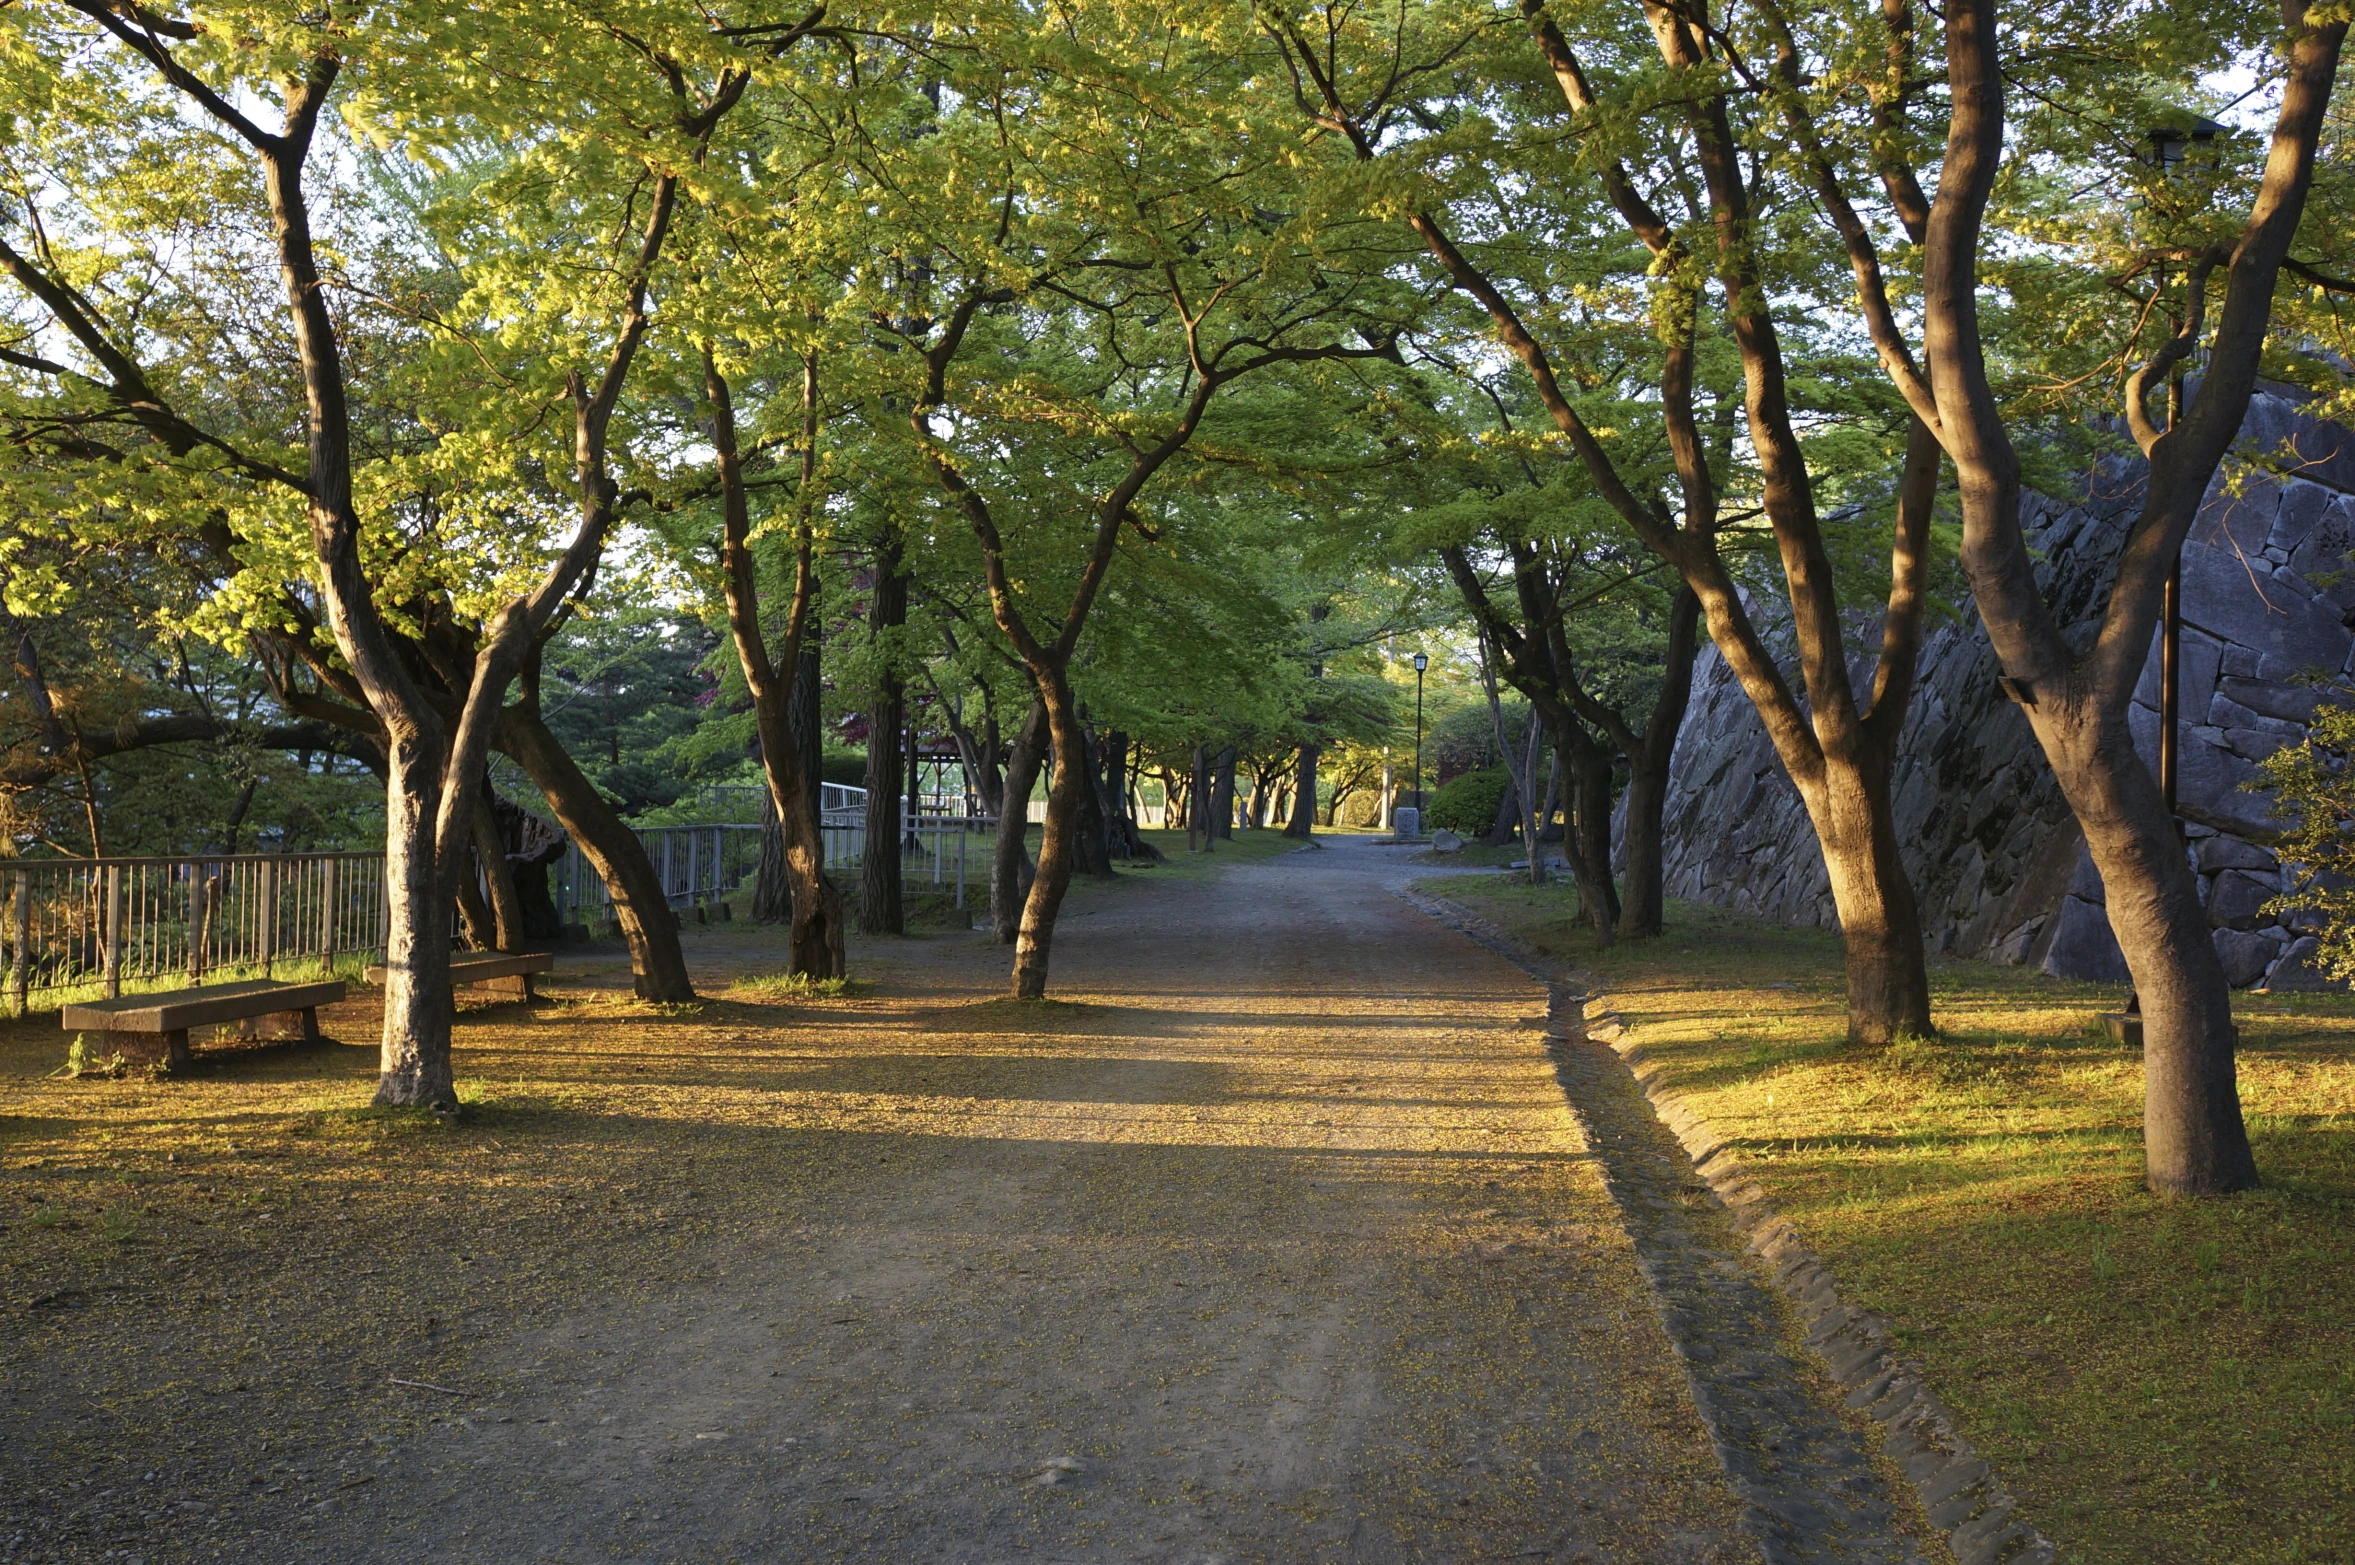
794	986
2159	1380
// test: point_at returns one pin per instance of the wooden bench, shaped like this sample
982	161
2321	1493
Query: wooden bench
142	1026
503	972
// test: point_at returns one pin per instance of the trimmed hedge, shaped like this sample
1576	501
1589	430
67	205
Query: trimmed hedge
1468	804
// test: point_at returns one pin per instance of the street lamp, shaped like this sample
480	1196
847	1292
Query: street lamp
1421	663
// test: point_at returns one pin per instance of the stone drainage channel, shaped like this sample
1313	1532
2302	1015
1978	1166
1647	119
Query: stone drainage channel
1809	1490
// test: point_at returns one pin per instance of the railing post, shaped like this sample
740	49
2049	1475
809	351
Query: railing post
111	928
20	939
269	919
328	877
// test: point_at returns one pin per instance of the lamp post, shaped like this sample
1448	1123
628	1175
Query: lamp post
1421	663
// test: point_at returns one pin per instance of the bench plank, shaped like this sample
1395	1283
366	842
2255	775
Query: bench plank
504	972
181	1009
474	967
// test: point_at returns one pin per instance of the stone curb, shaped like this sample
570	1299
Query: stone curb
1962	1494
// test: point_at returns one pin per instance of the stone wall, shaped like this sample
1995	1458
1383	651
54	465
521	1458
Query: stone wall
1996	860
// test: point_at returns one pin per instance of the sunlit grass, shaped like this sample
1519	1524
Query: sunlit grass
2159	1380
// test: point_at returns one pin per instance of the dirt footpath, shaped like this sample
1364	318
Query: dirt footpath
1273	1240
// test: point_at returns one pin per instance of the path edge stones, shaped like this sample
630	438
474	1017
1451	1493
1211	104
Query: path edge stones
1964	1497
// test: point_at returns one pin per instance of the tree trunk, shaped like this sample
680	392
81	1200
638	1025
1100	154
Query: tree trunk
1222	795
1573	763
414	1054
816	938
772	890
2194	1140
881	911
1011	872
1091	831
1065	789
490	851
1302	821
1593	780
1880	924
658	967
477	926
1501	830
1646	908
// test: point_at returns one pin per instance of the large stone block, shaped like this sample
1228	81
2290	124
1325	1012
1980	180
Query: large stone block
2246	955
2083	947
2224	712
2292	704
2322	555
2236	898
2199	661
2237	524
2222	850
2225	597
2210	787
2295	970
2304	509
2275	429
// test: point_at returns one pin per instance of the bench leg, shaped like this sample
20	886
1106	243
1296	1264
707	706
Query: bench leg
515	987
150	1048
310	1023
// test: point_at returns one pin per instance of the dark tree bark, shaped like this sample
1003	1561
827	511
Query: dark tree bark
1011	871
1301	822
1091	839
498	877
880	907
1221	820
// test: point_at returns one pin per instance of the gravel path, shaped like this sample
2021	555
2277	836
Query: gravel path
1280	1245
1275	1239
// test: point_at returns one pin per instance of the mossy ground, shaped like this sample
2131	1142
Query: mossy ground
2160	1380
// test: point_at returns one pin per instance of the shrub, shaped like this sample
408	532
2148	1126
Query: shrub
1468	804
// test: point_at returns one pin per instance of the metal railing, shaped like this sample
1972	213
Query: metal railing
77	928
702	866
97	925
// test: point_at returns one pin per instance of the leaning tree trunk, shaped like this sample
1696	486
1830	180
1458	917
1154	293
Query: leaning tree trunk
658	968
1056	858
490	852
1011	872
477	925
